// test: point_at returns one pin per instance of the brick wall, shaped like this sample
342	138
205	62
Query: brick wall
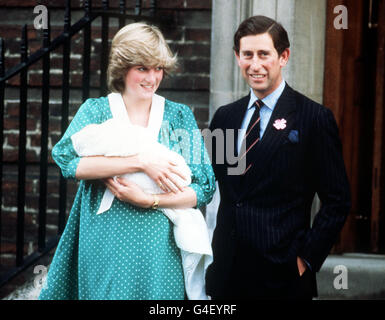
188	34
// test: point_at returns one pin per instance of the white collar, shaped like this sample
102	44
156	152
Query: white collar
271	100
118	110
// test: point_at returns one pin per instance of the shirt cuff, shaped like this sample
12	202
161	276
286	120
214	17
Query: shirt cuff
308	264
70	171
199	194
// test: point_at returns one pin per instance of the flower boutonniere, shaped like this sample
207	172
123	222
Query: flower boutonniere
279	124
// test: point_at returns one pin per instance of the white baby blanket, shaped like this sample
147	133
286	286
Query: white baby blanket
118	137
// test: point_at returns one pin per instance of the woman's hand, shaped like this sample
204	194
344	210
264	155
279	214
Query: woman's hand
128	191
160	170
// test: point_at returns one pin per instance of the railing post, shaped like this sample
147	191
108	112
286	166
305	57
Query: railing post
138	7
122	10
104	56
64	110
86	52
44	140
87	7
152	8
2	87
22	150
21	70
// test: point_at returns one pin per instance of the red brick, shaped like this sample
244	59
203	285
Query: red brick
201	114
168	4
9	32
174	34
76	80
94	64
50	160
10	62
11	123
8	260
32	201
193	50
54	138
55	110
35	140
202	125
201	82
177	81
8	247
10	155
11	109
10	199
95	80
31	156
33	109
198	4
72	187
32	3
198	35
168	19
200	65
52	201
12	140
53	186
35	80
34	46
9	223
53	219
54	125
14	81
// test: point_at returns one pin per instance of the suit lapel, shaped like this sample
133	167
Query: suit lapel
234	122
271	140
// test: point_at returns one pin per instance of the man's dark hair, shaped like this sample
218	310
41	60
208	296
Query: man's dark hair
260	24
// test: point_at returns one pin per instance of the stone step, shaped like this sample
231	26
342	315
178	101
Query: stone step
352	276
342	277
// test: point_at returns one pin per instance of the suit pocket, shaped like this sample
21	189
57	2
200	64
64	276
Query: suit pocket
305	285
293	269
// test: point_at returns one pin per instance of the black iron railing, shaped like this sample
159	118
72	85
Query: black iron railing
43	54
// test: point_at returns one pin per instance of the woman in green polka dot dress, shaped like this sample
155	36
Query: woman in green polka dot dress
128	252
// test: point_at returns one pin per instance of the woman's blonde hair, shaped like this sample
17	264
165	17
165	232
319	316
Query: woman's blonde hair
137	44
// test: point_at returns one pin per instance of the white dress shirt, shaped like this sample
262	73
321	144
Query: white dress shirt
267	109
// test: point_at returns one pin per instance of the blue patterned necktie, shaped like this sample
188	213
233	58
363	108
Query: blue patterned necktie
252	133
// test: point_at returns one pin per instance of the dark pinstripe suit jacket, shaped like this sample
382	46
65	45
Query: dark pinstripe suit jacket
269	208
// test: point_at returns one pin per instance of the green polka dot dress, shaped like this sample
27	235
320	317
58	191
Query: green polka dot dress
126	252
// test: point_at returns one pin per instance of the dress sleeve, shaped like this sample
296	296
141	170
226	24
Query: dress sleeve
63	152
196	156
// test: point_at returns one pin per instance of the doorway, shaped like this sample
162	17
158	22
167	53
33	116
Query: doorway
354	91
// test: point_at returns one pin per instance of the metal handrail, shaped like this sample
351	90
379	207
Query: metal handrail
43	54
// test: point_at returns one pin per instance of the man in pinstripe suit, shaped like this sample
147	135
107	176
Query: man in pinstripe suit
264	246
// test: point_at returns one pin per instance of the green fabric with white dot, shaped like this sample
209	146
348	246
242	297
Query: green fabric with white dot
126	253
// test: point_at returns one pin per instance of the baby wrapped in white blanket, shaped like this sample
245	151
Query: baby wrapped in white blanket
116	138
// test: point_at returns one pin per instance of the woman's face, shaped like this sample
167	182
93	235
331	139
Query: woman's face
142	82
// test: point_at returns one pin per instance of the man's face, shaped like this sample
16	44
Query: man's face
260	63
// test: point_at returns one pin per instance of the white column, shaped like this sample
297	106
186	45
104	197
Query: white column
226	83
304	21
